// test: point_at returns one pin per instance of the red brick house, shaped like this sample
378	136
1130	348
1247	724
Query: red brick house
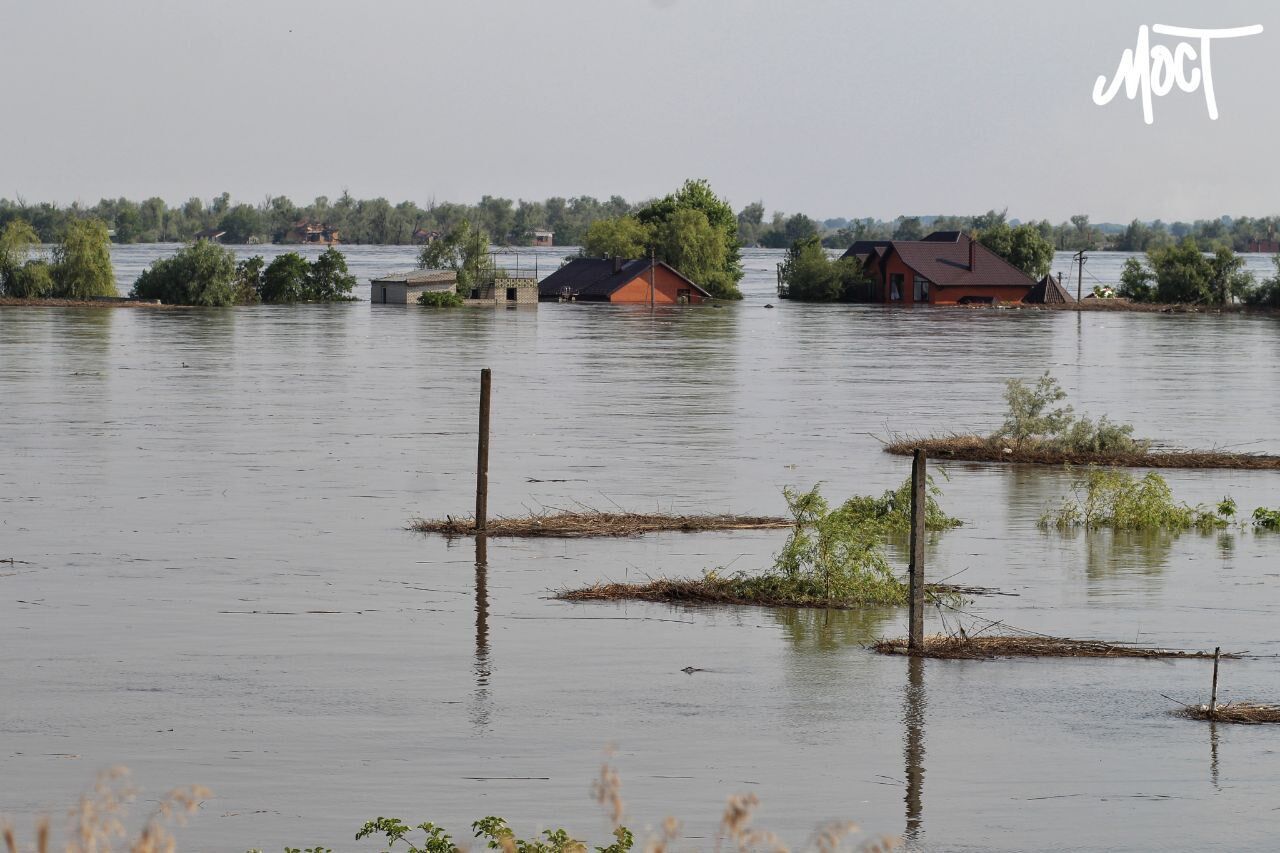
620	281
945	268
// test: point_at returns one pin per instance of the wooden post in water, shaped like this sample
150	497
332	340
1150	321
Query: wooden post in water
1213	693
482	455
915	635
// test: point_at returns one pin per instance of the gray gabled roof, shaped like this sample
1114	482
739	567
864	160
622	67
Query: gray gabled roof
599	278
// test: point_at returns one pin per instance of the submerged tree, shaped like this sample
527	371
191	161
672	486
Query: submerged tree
707	244
1024	247
808	275
463	249
200	274
82	262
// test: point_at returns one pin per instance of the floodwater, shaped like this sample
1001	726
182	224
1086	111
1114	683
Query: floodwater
212	581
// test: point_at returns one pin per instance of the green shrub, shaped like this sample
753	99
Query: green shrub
1266	519
1032	417
285	279
808	275
1122	501
32	280
199	274
440	299
328	279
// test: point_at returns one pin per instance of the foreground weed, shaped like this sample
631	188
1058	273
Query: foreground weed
97	821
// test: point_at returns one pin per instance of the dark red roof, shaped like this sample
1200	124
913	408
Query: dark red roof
598	278
943	258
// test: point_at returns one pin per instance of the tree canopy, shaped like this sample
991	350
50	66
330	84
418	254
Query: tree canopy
1024	247
199	274
808	274
463	249
1183	273
82	262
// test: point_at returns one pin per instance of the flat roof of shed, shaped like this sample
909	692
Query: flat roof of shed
417	277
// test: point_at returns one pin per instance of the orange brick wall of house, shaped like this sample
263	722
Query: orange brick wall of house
939	295
666	286
894	266
952	295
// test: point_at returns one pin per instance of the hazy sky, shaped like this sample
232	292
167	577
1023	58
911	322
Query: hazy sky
833	108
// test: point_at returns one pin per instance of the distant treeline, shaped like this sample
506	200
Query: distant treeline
378	221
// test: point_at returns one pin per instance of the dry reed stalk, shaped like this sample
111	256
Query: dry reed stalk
593	523
97	820
975	448
1234	712
980	648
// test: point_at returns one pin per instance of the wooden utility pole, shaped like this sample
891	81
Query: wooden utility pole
482	455
1080	259
1213	693
915	634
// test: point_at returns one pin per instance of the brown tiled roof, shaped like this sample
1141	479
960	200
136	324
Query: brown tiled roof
943	258
1048	292
862	248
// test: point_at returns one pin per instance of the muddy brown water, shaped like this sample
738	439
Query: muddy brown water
213	584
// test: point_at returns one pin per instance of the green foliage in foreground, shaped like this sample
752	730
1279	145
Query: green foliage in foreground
495	831
205	273
1033	417
1267	293
1122	501
808	275
440	299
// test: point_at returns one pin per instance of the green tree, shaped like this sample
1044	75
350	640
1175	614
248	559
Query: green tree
908	228
1137	282
699	244
623	237
808	275
285	279
1030	413
199	274
691	244
82	262
240	222
1268	292
247	283
17	240
1024	247
1184	274
328	279
750	223
463	249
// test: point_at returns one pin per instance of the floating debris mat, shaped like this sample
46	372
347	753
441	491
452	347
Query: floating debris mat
591	523
1233	712
975	448
950	647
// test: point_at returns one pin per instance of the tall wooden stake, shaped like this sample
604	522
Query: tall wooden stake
1213	693
482	455
915	638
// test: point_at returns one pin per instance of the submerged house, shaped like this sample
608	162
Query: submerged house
945	268
405	288
542	237
315	233
497	287
618	280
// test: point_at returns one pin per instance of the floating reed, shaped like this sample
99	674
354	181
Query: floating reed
593	523
1233	712
975	448
951	647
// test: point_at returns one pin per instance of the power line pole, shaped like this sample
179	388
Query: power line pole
1080	259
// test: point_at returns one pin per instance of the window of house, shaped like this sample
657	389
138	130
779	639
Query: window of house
895	286
921	289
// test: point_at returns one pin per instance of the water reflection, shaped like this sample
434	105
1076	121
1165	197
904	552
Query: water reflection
811	629
1213	755
913	708
482	702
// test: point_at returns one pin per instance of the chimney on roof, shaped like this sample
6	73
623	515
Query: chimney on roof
617	264
973	253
